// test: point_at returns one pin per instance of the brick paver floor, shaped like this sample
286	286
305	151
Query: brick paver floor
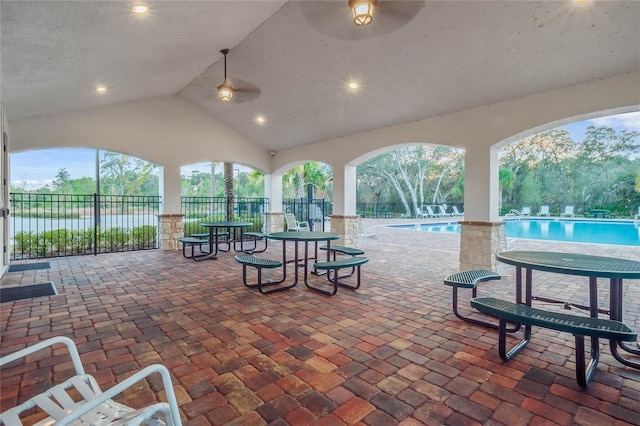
389	353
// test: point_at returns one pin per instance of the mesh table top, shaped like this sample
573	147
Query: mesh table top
572	263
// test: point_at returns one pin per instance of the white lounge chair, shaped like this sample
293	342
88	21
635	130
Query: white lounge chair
363	236
568	212
420	213
456	212
79	399
443	212
526	211
638	215
544	211
293	224
431	213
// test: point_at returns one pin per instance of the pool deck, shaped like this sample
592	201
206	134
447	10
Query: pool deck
389	353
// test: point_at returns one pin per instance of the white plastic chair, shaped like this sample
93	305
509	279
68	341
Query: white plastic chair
293	224
79	400
456	212
431	213
526	211
363	236
443	211
544	211
568	212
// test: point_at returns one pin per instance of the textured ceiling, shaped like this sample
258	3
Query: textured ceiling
417	59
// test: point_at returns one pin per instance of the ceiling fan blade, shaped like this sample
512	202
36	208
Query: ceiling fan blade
243	91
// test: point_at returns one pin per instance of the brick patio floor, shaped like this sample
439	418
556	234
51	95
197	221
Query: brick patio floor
389	353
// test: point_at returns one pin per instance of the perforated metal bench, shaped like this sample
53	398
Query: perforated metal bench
349	251
471	279
255	237
354	262
193	243
259	263
576	325
205	235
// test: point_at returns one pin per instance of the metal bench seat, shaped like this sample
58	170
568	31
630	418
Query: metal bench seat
255	237
193	243
577	325
350	251
354	262
259	263
471	279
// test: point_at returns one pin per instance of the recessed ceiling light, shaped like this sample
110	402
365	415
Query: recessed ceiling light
353	85
140	9
101	89
261	120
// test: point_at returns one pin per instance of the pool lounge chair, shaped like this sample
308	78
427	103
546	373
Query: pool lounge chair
526	211
568	212
638	215
443	211
430	212
420	213
457	212
544	211
364	235
293	224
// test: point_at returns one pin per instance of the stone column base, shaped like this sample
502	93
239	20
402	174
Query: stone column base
347	227
171	228
273	222
479	243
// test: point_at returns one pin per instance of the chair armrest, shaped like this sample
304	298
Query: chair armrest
71	346
120	387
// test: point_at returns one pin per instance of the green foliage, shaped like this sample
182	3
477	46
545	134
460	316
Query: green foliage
550	168
65	242
413	176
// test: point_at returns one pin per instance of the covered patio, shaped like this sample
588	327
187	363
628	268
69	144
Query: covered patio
391	352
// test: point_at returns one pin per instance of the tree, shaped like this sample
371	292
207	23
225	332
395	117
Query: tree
313	172
228	188
62	182
125	175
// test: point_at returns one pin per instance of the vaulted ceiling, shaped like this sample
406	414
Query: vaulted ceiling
417	59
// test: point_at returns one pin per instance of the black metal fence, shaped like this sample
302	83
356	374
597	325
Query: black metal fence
222	209
56	225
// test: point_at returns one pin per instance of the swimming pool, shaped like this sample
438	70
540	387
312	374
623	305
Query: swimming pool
623	233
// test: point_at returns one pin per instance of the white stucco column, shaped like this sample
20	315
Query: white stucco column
170	189
481	183
274	191
344	190
171	219
482	232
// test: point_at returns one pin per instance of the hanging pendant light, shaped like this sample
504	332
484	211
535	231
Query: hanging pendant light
225	91
362	11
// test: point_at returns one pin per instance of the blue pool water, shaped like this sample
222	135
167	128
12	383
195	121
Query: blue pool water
577	231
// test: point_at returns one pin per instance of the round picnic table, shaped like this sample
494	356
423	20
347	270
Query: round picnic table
301	237
585	265
213	236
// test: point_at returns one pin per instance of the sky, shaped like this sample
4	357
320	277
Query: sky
35	169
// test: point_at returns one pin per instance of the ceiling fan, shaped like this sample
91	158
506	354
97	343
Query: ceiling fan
336	19
240	91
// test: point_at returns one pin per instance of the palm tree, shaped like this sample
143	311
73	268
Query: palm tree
228	189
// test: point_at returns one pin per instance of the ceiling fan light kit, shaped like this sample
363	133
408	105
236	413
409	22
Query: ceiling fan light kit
225	91
362	11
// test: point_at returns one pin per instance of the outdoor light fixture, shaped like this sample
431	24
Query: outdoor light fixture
140	9
225	91
362	11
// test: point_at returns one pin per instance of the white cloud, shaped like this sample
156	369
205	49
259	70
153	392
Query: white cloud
630	121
